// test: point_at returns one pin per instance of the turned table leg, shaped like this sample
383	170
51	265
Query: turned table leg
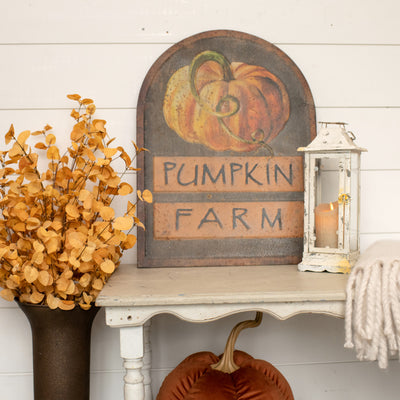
147	362
132	352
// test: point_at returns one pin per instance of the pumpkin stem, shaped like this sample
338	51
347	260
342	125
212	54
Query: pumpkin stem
226	363
219	58
258	137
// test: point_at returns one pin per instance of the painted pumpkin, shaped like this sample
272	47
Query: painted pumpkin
234	376
225	106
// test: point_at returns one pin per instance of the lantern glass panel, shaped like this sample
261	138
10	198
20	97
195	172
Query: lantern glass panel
327	227
354	202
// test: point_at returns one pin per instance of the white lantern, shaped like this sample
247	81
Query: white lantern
331	200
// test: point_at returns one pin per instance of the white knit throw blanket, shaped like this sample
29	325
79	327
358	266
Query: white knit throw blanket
372	319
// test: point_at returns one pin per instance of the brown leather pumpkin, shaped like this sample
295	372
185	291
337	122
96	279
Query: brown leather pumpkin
234	376
237	106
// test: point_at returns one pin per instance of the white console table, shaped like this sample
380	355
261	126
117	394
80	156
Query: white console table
200	294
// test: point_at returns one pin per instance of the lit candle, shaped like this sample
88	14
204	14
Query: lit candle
326	225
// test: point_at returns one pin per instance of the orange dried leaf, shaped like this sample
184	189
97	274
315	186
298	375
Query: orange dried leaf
131	209
75	239
85	280
30	274
138	223
99	125
135	145
23	245
63	257
124	155
147	196
72	211
52	302
129	242
34	187
36	297
4	251
32	223
107	266
40	146
102	162
79	131
125	189
74	97
89	154
91	109
21	214
84	194
15	151
97	284
87	101
123	223
37	258
53	153
47	225
87	254
75	114
57	225
7	294
50	139
23	136
10	134
38	246
62	284
110	141
52	245
109	153
107	213
87	298
66	305
45	278
19	227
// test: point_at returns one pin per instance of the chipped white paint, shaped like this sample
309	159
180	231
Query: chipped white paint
133	296
332	159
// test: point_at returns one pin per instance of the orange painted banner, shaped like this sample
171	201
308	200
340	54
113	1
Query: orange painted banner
228	220
228	174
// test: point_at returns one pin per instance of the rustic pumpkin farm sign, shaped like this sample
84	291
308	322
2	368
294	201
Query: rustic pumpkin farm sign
222	114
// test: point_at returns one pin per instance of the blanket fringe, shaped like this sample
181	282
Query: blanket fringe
372	316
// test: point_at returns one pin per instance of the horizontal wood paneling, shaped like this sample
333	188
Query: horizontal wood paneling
15	335
291	21
273	340
339	76
376	129
104	385
14	325
121	124
379	202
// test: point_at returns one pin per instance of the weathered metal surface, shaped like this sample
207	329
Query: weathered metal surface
222	114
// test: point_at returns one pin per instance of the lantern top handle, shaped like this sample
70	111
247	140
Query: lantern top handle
332	136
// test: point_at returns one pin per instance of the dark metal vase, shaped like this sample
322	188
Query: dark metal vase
61	351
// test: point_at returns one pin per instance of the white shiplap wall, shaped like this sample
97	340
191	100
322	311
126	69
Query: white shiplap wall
349	52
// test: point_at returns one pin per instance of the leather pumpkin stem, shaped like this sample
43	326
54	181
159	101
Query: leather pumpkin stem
226	363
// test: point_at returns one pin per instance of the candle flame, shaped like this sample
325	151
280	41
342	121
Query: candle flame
331	205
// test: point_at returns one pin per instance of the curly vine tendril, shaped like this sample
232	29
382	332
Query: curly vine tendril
197	62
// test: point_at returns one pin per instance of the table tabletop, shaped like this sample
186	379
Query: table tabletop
133	286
